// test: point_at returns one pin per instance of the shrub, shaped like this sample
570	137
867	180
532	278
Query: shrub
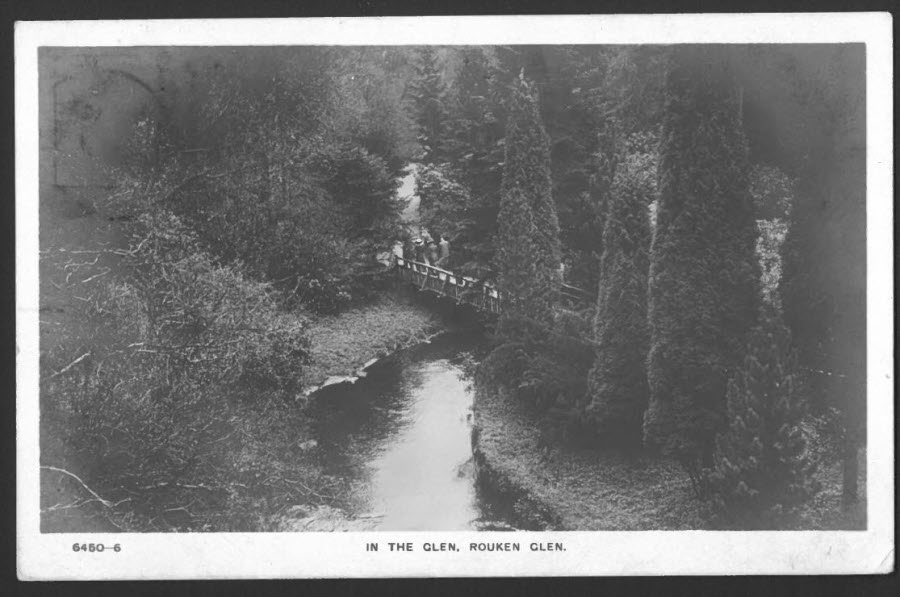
179	344
213	321
547	368
313	268
505	363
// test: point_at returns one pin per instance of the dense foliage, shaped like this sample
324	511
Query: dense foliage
259	193
428	95
617	384
153	412
286	165
474	152
447	207
703	282
763	471
693	187
540	354
528	250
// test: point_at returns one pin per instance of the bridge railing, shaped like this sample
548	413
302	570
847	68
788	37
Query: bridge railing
463	289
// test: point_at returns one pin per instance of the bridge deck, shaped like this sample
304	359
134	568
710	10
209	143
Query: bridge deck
463	289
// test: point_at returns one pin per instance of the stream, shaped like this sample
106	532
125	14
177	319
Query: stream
403	436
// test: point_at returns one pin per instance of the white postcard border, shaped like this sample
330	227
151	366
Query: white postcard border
270	555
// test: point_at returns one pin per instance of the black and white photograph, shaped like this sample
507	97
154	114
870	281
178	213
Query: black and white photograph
422	296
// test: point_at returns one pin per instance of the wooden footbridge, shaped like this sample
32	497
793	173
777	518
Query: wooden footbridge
463	289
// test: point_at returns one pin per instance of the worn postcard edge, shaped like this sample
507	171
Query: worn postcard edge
269	555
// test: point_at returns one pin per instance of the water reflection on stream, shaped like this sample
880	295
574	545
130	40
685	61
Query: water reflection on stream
403	435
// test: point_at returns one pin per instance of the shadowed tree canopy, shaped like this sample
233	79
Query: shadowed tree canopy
824	285
474	150
264	195
617	384
528	253
429	96
703	275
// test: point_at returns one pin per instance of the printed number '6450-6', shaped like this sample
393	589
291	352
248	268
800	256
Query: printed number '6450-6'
95	547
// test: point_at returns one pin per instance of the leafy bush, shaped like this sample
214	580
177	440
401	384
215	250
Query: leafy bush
503	364
546	367
179	344
314	269
211	319
362	188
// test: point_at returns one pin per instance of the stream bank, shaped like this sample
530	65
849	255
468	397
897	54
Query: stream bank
341	346
568	488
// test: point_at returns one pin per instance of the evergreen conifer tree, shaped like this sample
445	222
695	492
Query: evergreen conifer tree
528	252
472	129
763	471
429	96
474	149
703	283
617	384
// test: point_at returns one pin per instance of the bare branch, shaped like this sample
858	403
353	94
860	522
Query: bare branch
70	365
106	503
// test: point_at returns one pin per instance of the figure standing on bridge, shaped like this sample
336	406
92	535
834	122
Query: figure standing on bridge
444	246
433	254
419	245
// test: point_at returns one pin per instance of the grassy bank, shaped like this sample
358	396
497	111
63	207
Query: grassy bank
341	345
581	489
586	489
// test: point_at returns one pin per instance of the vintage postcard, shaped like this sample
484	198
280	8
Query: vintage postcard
455	296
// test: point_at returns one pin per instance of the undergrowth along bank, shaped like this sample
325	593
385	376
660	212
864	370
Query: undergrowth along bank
176	410
564	486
